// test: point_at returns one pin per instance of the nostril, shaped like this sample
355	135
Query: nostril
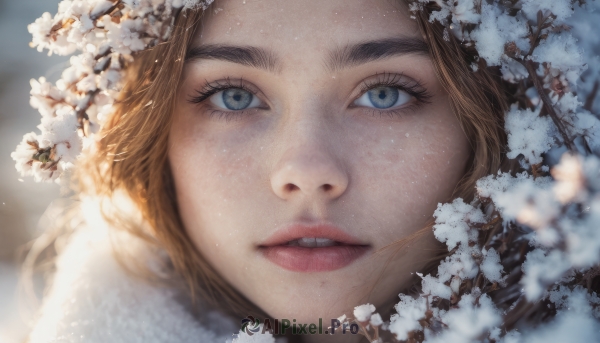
305	175
291	187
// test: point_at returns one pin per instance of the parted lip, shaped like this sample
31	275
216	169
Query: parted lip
318	230
309	259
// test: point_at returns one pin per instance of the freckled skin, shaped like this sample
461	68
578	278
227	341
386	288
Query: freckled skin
388	173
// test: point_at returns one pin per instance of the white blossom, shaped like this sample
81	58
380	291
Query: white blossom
452	224
563	55
561	9
376	319
86	89
491	267
574	321
495	31
258	337
409	312
540	269
553	206
23	155
528	134
363	313
474	316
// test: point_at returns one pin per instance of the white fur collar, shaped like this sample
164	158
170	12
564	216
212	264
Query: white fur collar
94	300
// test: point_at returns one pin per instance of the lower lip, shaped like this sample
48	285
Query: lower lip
302	259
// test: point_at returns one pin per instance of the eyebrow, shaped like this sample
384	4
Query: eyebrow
246	55
352	55
340	58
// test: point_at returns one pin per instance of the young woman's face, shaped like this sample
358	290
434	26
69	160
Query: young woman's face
308	136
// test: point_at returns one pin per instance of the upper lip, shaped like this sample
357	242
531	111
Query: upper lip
317	230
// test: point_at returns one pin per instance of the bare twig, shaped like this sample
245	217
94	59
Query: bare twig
547	103
364	330
589	102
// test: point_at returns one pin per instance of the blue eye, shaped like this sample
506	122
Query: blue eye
383	98
235	99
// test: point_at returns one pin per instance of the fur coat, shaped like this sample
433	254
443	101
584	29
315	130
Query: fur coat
93	299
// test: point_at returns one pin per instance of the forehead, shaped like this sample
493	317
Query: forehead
288	26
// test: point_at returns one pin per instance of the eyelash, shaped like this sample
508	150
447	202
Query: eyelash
211	88
398	81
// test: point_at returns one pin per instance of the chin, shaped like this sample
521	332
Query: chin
310	311
313	299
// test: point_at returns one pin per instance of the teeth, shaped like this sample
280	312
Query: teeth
324	242
307	242
312	242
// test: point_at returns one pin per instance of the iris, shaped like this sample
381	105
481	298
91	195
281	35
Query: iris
383	97
236	99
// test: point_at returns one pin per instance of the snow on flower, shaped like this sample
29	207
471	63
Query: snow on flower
461	11
363	313
587	126
25	152
474	316
540	269
258	337
45	97
39	30
495	31
561	9
376	319
124	37
528	134
523	198
563	55
107	33
491	267
410	311
574	321
437	285
28	152
583	25
582	236
540	220
513	71
452	224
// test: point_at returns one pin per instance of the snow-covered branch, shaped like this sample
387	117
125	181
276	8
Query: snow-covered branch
107	34
525	253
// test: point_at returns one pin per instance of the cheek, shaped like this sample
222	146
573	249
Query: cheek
214	178
216	166
405	170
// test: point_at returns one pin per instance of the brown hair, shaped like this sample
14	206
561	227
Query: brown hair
479	101
131	155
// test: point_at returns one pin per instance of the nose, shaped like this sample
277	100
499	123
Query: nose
308	171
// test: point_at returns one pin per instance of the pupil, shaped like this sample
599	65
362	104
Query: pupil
237	97
382	95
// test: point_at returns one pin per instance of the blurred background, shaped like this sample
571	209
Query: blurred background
22	201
